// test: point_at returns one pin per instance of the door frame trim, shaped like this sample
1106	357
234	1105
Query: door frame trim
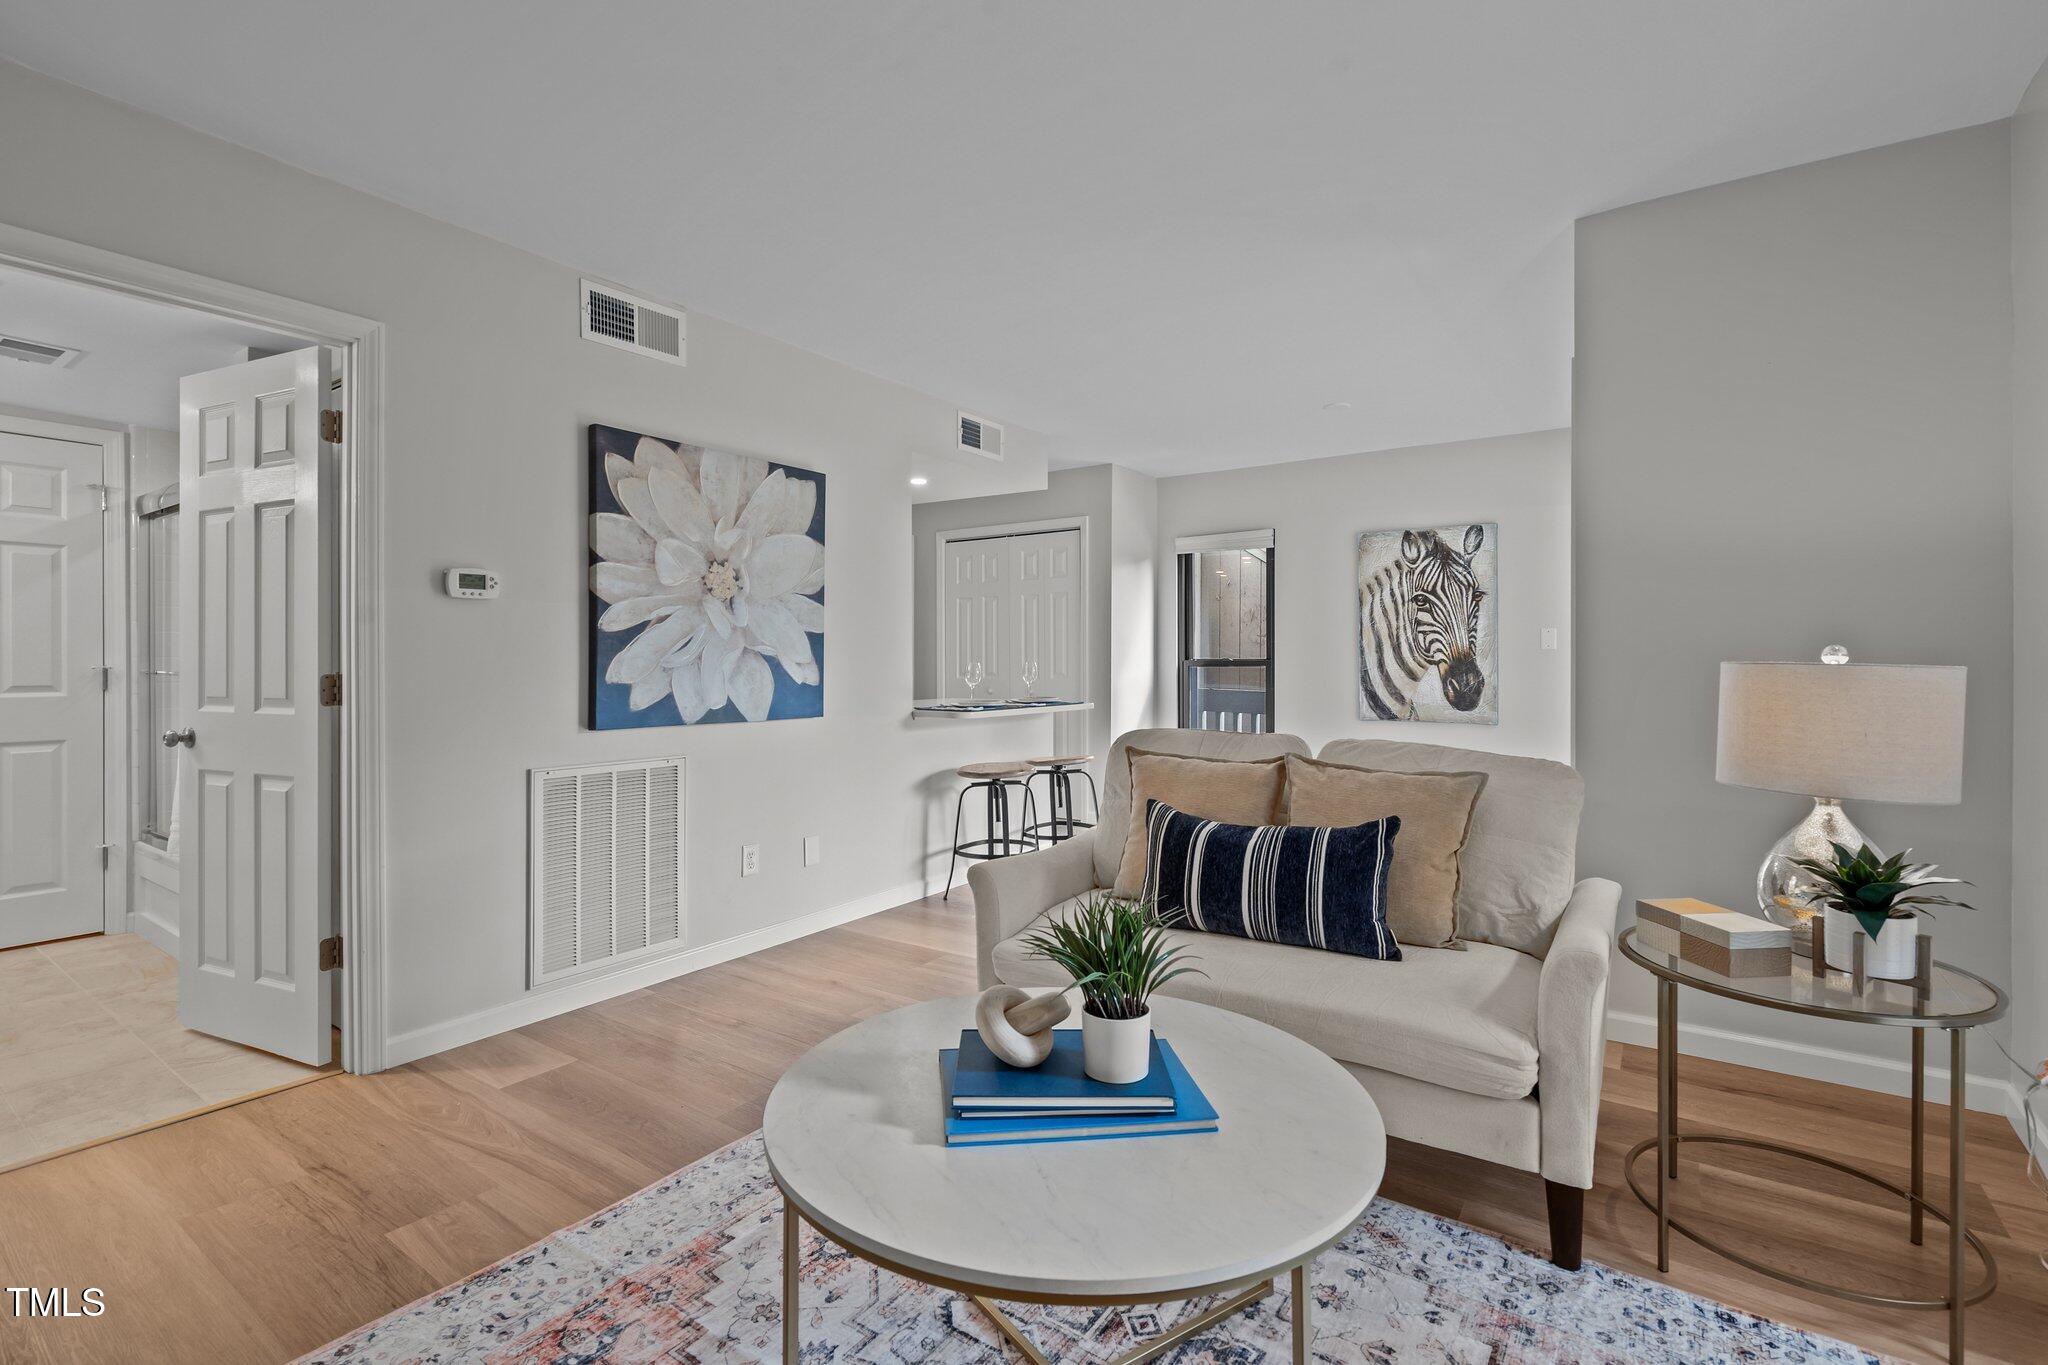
114	568
361	905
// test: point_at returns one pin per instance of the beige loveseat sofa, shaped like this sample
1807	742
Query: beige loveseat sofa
1493	1049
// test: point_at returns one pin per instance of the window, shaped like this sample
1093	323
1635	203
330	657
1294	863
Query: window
157	638
1226	633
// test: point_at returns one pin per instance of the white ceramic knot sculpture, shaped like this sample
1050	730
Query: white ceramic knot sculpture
1017	1027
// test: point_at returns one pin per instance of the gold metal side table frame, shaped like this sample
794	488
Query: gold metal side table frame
1239	1293
1669	1139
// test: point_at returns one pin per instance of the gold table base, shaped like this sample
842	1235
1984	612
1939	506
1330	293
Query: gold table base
1669	1139
1238	1298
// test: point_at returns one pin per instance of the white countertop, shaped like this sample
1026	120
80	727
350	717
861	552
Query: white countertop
928	707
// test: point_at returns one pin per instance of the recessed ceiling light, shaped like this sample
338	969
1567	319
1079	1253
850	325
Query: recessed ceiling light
918	481
1339	406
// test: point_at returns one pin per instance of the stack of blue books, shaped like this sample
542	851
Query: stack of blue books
991	1103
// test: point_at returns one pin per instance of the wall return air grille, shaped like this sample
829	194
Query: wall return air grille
979	436
616	318
606	877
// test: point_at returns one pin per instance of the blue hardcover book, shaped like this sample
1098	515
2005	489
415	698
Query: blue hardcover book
984	1082
1191	1113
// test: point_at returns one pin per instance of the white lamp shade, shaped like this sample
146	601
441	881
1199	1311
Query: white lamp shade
1866	732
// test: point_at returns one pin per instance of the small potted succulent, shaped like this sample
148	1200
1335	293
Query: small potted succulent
1118	955
1882	897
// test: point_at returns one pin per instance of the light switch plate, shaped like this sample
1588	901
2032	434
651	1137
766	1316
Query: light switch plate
1550	637
814	849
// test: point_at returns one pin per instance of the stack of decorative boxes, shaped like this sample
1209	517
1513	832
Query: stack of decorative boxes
1721	940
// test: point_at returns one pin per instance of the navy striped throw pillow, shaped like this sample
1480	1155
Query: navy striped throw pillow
1303	885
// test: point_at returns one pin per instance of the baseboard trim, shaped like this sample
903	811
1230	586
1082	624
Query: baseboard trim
164	936
1986	1094
531	1008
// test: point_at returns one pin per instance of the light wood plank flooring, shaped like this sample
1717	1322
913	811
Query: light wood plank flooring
260	1231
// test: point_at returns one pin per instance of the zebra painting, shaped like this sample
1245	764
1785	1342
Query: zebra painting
1426	625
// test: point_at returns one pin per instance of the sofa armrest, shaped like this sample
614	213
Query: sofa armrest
1571	1030
1009	893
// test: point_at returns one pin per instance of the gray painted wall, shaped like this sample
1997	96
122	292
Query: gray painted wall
489	390
2030	563
1792	429
1317	509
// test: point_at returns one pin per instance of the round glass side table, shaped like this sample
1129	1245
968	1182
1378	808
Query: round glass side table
1952	1000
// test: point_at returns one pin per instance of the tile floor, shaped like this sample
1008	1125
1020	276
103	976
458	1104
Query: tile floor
90	1046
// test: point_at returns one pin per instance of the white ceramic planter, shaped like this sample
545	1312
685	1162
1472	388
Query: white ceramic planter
1116	1051
1889	956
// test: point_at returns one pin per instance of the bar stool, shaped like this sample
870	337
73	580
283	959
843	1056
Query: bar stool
994	779
1059	775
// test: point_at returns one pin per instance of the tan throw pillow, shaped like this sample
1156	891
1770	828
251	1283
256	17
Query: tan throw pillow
1240	792
1436	815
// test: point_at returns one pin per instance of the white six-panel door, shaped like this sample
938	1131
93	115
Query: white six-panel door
51	698
255	811
977	606
1046	568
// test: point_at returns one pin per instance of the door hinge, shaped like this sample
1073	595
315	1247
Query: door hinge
106	672
106	856
101	490
330	953
330	689
330	425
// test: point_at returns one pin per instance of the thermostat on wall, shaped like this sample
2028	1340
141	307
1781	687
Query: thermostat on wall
471	583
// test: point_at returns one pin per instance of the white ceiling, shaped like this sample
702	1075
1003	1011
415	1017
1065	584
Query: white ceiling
1164	232
135	351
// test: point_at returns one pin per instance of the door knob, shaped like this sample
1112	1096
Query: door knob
173	738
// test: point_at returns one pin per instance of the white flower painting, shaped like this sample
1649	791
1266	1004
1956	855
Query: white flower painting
708	570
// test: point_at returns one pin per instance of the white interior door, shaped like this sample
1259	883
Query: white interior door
256	813
52	775
1049	616
976	604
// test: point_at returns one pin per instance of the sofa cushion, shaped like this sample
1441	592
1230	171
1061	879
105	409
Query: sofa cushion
1435	810
1114	823
1464	1020
1516	871
1317	888
1237	791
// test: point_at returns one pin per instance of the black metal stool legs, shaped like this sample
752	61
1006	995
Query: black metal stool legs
996	795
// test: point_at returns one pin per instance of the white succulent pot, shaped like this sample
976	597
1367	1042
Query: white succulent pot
1116	1051
1889	957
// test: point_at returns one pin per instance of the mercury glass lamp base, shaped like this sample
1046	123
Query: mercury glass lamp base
1786	895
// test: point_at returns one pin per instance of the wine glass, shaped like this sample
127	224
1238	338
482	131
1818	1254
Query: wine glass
1029	673
972	676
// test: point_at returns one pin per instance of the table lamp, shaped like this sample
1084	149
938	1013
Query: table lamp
1836	731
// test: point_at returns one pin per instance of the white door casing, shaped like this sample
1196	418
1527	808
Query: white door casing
256	808
52	698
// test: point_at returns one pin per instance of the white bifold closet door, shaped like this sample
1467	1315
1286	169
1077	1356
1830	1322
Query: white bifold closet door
1012	601
257	810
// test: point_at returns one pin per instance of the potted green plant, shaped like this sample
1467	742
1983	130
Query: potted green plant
1118	956
1881	896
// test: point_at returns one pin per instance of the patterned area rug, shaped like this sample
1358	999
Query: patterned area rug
689	1270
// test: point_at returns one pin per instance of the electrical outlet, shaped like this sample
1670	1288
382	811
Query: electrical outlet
750	859
814	849
1550	637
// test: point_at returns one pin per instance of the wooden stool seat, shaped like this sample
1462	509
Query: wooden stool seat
988	770
1070	761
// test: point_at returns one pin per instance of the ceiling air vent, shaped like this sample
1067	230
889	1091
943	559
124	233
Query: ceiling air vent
38	352
979	436
619	319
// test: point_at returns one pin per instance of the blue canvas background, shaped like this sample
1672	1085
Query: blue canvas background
608	708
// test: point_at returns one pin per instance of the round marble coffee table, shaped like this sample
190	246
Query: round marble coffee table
855	1141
